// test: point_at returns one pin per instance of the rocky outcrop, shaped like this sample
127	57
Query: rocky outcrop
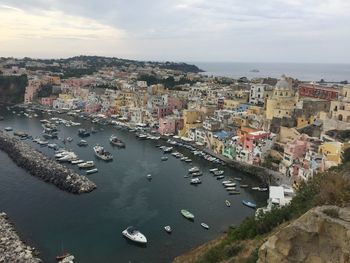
43	167
320	235
12	249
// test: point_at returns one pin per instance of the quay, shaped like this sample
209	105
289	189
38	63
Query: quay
12	248
38	165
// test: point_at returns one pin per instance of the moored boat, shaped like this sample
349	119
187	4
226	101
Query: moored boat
234	192
187	214
194	169
220	172
88	164
92	171
63	256
213	170
243	186
196	174
102	154
220	177
249	204
230	184
134	235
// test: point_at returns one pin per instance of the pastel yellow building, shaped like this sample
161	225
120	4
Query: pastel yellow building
192	119
231	104
332	152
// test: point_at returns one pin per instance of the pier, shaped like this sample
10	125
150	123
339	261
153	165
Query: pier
40	166
12	248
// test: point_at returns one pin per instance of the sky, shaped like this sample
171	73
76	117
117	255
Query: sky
314	31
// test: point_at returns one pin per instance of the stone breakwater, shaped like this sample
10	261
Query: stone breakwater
12	249
38	165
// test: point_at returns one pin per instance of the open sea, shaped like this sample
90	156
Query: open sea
89	225
301	71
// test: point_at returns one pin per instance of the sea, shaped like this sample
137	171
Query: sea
89	225
302	71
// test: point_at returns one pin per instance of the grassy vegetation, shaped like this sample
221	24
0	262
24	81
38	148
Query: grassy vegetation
331	188
12	89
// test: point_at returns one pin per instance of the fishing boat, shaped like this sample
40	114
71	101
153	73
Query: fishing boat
92	171
82	143
244	186
195	181
117	142
194	169
102	154
168	229
134	235
249	204
83	133
204	225
88	164
164	158
187	214
227	202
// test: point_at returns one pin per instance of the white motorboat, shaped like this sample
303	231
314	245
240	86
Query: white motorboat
194	169
227	182
77	161
168	229
164	158
219	172
149	176
92	171
88	164
134	235
205	225
69	157
195	181
230	184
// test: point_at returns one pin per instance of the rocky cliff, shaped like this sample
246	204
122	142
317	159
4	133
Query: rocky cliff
320	235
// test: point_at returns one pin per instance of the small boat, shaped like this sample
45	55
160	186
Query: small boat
214	170
8	129
230	188
188	160
149	176
83	133
195	181
92	171
220	172
117	142
244	186
204	225
262	189
197	174
88	164
230	184
69	139
164	158
134	235
63	256
256	188
220	177
194	169
82	143
77	161
227	202
238	178
187	214
168	229
249	204
234	192
227	182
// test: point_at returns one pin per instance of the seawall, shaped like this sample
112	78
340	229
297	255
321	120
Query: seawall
12	249
40	166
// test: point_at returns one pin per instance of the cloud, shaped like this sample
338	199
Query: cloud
192	29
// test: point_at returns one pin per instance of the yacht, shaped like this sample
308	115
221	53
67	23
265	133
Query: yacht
134	235
102	154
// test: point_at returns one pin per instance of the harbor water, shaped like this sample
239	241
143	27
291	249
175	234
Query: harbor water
89	225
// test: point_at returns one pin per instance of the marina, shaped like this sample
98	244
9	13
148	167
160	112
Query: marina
123	197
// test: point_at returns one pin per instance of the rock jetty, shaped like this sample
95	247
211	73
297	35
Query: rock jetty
12	249
43	167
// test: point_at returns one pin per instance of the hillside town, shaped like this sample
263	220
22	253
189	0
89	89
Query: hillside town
294	127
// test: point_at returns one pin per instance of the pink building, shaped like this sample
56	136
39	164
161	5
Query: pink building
175	103
297	148
162	111
92	107
253	138
48	101
170	125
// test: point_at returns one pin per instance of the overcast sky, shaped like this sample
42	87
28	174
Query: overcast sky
179	30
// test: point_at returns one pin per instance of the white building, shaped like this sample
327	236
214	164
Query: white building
257	93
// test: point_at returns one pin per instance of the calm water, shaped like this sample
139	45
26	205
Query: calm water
90	225
302	71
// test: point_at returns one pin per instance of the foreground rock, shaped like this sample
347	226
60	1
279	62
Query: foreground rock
43	167
320	235
12	249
